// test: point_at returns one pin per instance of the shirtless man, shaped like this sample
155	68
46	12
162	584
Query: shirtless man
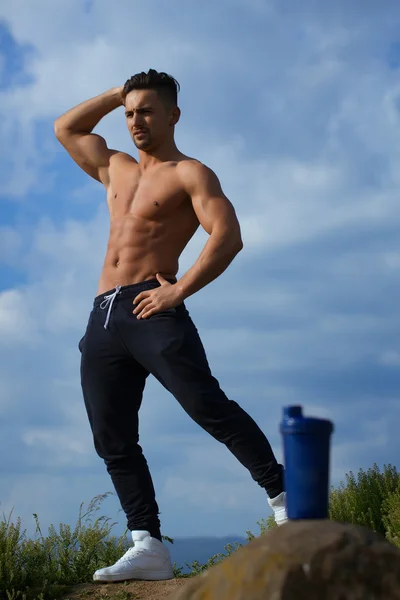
139	324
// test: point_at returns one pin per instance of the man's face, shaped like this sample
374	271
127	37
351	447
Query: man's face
147	118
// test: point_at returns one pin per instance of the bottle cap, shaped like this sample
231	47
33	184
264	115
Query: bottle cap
295	423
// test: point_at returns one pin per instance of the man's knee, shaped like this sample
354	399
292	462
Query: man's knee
114	447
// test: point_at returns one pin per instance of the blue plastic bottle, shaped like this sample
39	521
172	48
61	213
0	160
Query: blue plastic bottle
306	444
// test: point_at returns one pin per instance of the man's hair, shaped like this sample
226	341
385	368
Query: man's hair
165	85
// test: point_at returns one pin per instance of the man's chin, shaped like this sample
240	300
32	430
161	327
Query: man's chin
142	145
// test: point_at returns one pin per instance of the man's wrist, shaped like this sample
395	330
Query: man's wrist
180	292
115	92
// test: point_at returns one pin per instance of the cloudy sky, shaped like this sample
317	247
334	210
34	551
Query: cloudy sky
296	106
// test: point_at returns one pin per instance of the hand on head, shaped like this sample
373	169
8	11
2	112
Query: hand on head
122	93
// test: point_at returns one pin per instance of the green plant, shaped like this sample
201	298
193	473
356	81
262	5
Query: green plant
47	565
361	500
264	525
391	518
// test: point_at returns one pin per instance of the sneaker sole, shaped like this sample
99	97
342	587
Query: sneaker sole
142	575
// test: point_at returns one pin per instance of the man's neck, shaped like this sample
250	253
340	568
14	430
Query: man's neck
167	152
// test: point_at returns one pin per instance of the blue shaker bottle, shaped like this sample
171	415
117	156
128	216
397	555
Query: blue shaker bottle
306	445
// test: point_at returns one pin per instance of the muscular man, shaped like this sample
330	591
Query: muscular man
139	324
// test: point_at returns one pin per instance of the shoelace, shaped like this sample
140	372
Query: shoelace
109	301
131	552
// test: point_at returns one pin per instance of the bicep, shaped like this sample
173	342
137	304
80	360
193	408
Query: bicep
90	152
213	209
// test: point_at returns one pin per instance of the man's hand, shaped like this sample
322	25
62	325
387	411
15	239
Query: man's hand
122	95
151	302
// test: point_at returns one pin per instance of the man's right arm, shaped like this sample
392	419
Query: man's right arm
74	131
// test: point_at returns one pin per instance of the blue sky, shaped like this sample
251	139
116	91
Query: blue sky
296	106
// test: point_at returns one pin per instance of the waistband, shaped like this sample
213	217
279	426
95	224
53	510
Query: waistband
130	290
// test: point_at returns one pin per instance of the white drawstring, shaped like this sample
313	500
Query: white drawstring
108	301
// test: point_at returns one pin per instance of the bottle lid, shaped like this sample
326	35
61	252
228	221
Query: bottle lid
295	422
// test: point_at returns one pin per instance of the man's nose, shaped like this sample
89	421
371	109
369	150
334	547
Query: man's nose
136	119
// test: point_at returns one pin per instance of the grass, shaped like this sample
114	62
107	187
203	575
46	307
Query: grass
47	566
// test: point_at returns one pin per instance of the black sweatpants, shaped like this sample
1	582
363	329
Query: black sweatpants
115	362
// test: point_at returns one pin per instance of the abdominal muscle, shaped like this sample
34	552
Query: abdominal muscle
138	249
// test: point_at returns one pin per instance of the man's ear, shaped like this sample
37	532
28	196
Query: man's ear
175	115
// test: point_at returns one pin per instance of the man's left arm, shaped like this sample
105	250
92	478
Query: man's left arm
218	218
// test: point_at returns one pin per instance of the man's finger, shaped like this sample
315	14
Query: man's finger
140	297
141	306
161	279
148	313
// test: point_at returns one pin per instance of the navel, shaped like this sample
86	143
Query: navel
155	203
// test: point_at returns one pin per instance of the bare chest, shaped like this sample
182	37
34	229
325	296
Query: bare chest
153	195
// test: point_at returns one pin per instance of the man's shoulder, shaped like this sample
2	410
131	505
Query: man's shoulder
191	169
121	158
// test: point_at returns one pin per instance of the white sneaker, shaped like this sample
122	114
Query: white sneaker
278	505
148	559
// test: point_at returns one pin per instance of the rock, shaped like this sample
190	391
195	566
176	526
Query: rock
304	560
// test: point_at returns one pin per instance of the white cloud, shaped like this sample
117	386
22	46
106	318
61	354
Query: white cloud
57	76
45	494
60	448
16	324
390	358
10	245
392	260
209	496
301	123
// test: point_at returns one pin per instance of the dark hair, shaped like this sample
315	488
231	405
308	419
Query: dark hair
165	85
